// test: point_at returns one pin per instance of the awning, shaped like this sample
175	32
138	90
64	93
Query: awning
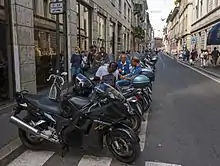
214	35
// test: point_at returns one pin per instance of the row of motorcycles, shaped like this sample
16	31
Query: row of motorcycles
114	113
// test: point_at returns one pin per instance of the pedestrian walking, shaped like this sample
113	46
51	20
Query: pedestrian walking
102	57
91	56
193	56
215	55
76	61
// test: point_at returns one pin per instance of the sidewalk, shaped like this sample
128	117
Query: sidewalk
209	70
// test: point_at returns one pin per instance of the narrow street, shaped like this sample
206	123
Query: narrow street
183	125
184	122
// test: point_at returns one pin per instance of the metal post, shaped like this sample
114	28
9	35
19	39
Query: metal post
9	47
58	41
65	37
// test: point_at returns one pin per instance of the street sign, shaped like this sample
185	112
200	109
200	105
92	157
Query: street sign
56	7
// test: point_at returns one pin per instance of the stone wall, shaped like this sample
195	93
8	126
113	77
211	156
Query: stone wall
71	31
23	40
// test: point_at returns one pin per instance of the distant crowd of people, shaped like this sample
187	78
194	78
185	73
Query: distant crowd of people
205	56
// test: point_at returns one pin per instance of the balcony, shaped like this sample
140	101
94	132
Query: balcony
138	8
139	32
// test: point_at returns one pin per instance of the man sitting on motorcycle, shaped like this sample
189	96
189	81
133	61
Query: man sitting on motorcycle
107	73
123	65
136	70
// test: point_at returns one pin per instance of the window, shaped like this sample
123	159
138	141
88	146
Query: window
113	2
101	31
83	26
208	1
34	6
119	5
46	8
197	12
216	3
125	10
129	14
201	7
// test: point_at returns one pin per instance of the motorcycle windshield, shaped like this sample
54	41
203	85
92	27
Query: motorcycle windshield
83	80
110	91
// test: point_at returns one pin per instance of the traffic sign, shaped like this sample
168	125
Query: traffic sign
56	7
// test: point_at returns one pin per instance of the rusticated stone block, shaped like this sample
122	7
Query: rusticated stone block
25	35
27	54
28	72
25	3
72	16
30	86
24	16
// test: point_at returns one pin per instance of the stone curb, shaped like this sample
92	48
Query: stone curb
11	151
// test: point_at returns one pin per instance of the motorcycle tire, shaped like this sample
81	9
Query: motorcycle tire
25	137
123	137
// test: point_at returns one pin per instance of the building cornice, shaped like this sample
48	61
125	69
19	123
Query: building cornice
206	25
208	14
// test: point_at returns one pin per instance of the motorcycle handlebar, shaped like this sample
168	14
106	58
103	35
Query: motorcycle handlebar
56	76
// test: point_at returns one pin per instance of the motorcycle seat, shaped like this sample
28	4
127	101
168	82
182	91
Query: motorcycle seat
43	103
79	101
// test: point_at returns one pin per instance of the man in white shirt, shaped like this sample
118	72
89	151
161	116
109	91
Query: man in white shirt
108	73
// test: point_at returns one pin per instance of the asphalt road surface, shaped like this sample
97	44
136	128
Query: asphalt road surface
183	125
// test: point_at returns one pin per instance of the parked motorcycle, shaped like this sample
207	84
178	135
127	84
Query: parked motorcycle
53	121
84	88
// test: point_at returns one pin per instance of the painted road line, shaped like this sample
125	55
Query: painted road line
200	72
32	158
94	161
159	164
142	134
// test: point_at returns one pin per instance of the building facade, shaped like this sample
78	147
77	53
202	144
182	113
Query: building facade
142	27
185	22
28	37
206	13
196	18
173	31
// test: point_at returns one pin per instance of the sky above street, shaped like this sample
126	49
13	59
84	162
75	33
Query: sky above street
159	9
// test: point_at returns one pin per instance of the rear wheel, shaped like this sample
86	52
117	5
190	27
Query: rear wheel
29	140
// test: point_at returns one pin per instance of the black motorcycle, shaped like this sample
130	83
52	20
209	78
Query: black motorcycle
84	88
54	121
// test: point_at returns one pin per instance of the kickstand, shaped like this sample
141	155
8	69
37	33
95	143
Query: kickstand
64	150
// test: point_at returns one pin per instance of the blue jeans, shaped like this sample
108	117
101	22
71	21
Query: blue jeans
123	83
75	70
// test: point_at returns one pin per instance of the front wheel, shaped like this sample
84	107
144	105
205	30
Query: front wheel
122	146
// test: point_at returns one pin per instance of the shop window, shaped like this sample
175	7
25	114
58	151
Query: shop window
45	55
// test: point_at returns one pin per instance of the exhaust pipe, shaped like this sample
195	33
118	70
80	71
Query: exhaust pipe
24	126
29	129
